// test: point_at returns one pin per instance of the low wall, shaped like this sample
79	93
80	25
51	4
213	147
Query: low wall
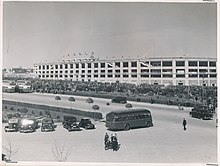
148	99
54	111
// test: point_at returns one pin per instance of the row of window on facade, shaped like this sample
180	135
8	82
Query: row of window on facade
132	64
132	76
178	71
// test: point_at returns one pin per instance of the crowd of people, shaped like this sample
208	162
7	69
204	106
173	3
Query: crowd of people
197	93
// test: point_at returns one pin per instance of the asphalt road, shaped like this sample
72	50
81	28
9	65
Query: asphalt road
165	142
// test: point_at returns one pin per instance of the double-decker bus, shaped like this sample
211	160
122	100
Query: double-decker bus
8	86
24	86
129	118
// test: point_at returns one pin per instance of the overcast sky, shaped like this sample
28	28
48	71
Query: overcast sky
49	31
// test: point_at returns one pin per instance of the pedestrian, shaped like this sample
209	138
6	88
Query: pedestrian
114	142
112	137
106	138
184	123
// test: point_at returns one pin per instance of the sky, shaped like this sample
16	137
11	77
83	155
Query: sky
35	32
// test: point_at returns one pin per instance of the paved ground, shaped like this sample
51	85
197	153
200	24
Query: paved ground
165	142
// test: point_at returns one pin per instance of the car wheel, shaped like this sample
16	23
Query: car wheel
127	127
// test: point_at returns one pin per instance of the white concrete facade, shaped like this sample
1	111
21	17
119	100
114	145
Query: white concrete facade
166	71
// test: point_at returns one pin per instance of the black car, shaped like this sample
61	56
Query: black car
12	125
119	99
47	125
201	112
73	127
86	123
68	120
69	123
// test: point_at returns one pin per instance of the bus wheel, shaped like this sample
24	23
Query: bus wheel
148	124
127	127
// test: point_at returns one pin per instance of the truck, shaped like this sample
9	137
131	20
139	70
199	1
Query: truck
12	125
47	125
202	112
27	125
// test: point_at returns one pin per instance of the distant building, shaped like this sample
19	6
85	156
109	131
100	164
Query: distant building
166	71
18	73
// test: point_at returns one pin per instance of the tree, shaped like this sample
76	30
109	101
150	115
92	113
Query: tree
8	150
57	98
40	113
12	108
24	110
58	116
95	107
71	99
89	100
61	152
47	112
150	93
128	105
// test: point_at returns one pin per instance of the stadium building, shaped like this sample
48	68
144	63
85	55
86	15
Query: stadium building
166	71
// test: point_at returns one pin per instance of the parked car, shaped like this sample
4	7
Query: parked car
119	99
69	122
47	125
74	127
27	125
12	125
202	112
86	123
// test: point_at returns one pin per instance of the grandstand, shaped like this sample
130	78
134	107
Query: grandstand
162	71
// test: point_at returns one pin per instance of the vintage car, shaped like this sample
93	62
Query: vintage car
12	125
74	127
27	125
47	125
201	112
86	123
119	99
69	123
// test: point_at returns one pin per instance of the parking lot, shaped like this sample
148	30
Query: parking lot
165	142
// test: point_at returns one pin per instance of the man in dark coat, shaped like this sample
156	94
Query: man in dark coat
106	138
184	123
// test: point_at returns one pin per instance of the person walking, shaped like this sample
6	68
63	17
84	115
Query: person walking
106	138
184	123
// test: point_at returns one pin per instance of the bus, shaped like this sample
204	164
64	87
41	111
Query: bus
129	118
